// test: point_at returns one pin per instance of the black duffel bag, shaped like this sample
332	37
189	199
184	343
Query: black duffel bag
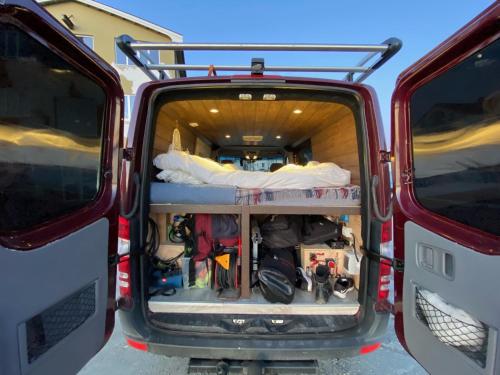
318	229
277	275
280	231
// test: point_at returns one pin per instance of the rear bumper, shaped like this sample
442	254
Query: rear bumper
245	347
281	350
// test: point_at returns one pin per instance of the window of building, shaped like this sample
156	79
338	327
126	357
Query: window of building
455	123
87	40
147	57
129	106
50	132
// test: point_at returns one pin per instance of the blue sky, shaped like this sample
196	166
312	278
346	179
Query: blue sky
420	24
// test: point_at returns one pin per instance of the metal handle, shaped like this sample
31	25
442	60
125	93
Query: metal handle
376	210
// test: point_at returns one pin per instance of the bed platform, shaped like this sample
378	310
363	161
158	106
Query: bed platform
174	193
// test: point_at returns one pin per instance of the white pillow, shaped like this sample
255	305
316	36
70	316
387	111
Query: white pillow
179	177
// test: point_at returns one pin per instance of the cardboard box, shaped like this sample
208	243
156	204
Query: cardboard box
356	280
312	255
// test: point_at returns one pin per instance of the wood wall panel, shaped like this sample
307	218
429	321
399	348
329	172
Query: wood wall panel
338	143
164	130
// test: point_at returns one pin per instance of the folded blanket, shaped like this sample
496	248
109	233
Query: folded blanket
290	176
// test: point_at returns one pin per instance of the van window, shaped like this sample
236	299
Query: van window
51	119
455	123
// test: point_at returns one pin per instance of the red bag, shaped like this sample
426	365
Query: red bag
213	230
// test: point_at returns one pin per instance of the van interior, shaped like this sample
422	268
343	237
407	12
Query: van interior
248	158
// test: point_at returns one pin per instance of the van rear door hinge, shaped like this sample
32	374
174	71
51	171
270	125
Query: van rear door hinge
385	156
407	176
128	153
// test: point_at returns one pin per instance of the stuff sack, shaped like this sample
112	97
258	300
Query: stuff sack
210	231
318	229
277	275
281	231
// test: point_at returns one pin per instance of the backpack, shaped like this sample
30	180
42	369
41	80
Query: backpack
318	229
211	231
281	231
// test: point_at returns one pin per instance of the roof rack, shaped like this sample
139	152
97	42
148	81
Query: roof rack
382	52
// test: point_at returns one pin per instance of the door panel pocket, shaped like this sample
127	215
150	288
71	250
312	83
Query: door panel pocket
452	326
48	328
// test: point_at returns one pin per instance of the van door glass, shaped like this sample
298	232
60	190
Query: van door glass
455	123
51	119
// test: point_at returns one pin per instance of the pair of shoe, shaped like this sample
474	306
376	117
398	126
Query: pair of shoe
324	289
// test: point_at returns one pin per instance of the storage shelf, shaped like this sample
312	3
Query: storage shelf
244	212
305	210
204	301
254	209
195	208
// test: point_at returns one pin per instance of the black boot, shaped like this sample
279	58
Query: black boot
323	286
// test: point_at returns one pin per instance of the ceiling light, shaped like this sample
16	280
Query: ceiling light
252	138
194	124
297	111
228	136
269	97
254	157
278	137
245	96
214	110
247	157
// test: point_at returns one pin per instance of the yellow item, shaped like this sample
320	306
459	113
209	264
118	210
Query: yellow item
223	260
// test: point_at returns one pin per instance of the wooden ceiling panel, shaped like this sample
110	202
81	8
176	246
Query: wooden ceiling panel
256	117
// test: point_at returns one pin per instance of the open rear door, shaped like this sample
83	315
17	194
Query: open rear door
59	137
446	129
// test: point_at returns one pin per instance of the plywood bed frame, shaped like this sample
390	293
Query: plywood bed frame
159	212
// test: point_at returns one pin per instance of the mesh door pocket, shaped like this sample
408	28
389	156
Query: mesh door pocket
453	327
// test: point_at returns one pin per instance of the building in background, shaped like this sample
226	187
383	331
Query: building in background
97	25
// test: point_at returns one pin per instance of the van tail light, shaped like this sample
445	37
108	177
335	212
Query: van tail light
385	266
123	236
124	261
370	348
124	277
384	280
137	345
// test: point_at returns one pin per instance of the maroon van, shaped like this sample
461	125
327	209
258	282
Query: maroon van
79	205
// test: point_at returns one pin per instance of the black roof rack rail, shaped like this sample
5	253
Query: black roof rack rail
378	54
